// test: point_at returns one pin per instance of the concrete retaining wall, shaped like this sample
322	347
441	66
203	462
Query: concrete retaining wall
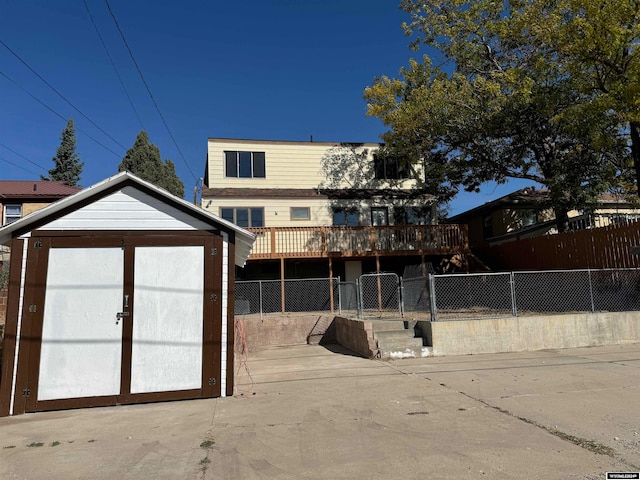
275	330
287	329
463	337
356	335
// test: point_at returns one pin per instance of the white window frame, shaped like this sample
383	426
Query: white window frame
7	217
296	218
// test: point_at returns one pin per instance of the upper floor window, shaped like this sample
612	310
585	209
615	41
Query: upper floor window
244	164
345	217
390	168
244	217
12	213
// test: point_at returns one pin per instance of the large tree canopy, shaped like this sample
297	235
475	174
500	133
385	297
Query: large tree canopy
143	160
500	104
67	161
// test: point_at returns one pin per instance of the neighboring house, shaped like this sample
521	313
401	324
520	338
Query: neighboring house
525	213
316	217
19	198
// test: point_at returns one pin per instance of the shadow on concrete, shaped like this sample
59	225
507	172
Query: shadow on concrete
337	348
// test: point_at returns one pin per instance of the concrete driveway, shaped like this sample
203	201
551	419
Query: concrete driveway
311	413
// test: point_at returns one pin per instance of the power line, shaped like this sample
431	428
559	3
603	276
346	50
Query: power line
56	113
106	50
149	91
18	166
27	159
60	95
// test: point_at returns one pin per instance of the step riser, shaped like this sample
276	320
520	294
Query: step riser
398	353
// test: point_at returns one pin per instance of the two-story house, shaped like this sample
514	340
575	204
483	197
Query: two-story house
324	209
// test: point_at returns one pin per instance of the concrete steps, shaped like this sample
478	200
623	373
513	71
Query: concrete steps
396	339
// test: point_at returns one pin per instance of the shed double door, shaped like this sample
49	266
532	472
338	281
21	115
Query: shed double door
125	320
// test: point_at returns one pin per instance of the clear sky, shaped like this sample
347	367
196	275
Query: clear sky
256	69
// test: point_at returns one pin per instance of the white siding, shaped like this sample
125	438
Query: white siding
127	209
277	212
287	164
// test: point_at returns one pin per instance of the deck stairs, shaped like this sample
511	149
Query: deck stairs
397	339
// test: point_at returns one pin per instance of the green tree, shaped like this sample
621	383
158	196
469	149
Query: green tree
495	109
143	160
67	161
596	43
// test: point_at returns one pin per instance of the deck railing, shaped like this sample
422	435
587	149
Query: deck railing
310	242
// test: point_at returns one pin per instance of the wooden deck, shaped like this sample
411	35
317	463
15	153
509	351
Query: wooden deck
324	242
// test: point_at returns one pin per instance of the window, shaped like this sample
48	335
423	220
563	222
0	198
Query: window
244	164
379	216
528	217
300	213
390	168
412	215
345	217
244	217
487	226
12	213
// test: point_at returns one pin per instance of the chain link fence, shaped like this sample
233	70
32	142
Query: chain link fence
448	297
380	292
472	295
300	295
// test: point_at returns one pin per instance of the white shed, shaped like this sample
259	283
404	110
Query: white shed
121	293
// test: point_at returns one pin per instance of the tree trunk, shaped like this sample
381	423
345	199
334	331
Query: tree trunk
562	218
634	128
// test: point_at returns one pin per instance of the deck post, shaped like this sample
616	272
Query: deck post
282	281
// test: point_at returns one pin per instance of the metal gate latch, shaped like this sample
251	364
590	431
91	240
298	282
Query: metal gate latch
120	315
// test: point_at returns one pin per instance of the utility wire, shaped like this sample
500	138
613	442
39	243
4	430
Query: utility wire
149	91
56	113
59	94
115	69
20	155
18	166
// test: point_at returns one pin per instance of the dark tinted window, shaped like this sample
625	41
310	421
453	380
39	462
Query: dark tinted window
231	163
258	165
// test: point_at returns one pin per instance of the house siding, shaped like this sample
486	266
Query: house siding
287	164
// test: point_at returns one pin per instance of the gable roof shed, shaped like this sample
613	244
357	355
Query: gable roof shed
121	293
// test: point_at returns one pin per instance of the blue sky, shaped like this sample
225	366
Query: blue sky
258	69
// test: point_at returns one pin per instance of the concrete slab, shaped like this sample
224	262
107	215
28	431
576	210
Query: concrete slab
311	413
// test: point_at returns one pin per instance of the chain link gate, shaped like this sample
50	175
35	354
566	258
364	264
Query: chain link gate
380	292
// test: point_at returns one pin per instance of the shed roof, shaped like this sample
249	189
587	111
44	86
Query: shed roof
243	239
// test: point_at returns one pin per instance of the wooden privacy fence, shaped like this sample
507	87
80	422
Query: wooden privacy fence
606	247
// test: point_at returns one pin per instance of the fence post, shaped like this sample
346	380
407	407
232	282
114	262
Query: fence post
339	297
401	298
260	294
514	304
358	298
593	307
432	298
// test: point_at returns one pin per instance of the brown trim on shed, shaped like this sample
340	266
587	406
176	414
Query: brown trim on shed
127	323
231	291
11	327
